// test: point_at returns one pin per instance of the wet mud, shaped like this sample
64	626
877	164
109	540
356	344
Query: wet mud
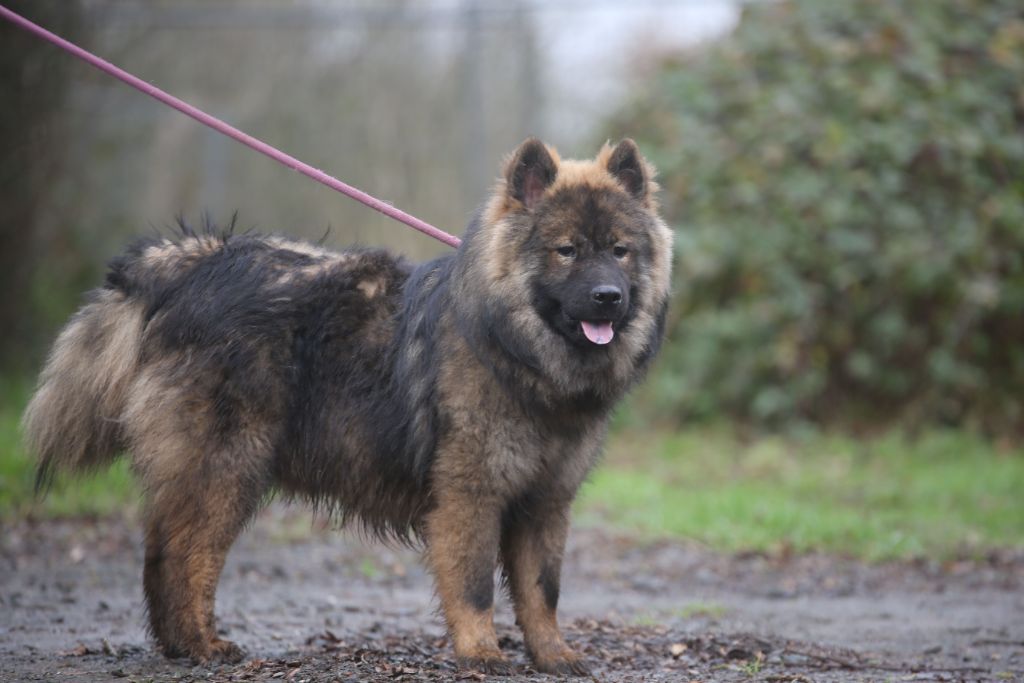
309	603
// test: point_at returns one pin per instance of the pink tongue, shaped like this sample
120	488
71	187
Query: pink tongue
598	332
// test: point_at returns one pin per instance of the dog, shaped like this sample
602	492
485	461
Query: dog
457	404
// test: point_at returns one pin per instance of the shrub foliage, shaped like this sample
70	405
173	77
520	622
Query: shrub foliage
847	182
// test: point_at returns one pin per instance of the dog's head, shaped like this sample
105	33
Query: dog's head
576	260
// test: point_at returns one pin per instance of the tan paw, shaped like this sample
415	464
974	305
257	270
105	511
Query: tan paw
212	652
225	651
494	666
559	660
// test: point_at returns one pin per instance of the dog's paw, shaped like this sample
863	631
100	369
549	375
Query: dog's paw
226	651
492	665
573	666
560	660
216	651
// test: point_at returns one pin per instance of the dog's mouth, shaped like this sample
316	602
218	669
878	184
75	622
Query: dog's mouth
584	329
597	331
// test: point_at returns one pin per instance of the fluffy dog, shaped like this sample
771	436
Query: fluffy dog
460	402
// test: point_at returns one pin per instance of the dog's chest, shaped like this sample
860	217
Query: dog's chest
519	455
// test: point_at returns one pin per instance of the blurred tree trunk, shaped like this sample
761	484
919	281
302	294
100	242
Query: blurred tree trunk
33	86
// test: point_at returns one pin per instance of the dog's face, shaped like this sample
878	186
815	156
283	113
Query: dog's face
591	252
592	232
576	263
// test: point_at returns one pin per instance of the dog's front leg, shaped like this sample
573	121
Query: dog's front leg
463	535
531	550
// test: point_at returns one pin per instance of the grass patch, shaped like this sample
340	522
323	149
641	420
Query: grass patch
943	494
101	493
708	610
695	610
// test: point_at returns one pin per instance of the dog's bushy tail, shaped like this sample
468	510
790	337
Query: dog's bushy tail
73	421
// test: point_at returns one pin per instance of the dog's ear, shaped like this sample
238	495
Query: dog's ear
530	171
630	168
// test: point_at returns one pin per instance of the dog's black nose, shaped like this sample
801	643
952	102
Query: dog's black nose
606	295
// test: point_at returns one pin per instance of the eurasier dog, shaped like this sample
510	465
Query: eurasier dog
460	402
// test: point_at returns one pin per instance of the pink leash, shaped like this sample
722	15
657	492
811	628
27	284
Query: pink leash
232	132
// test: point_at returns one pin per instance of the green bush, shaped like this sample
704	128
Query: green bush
847	182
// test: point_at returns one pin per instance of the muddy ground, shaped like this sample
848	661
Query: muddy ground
312	604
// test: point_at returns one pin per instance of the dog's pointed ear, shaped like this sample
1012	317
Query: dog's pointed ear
530	171
628	166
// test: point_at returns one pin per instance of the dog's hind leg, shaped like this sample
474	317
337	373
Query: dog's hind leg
205	470
188	535
201	486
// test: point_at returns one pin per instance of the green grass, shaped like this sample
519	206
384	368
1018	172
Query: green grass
709	610
943	494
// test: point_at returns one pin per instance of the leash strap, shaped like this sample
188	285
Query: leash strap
230	131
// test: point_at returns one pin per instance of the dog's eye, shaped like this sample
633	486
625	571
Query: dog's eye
620	251
567	251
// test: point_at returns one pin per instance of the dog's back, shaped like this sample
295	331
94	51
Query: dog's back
227	307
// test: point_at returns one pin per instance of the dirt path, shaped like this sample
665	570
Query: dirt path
316	605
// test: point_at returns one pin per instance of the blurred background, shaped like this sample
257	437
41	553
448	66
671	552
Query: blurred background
415	102
846	182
